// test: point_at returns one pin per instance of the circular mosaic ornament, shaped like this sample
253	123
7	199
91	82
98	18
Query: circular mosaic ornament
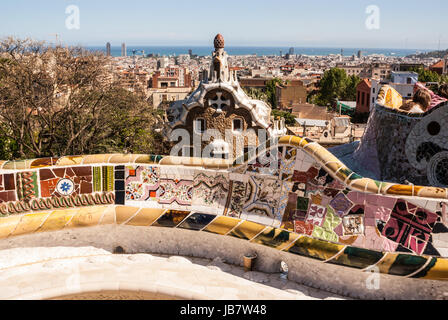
438	170
65	187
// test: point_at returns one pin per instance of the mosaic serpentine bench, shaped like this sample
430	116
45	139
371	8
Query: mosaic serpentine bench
400	146
311	205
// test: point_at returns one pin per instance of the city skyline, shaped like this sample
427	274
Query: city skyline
265	23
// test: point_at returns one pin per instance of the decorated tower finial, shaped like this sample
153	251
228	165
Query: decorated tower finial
219	42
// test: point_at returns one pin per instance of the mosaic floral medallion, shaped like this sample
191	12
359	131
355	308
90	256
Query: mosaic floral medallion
65	187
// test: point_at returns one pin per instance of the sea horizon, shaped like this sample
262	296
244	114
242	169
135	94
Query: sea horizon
254	50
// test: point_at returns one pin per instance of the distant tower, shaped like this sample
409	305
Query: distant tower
359	54
108	49
281	53
123	50
291	51
190	52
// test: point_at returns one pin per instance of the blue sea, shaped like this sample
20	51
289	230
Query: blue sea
259	51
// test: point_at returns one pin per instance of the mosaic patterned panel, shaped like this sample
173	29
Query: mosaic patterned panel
197	221
65	181
27	185
142	183
7	188
210	191
171	218
303	207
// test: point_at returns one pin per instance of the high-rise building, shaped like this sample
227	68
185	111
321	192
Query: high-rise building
108	49
123	50
359	54
190	52
291	51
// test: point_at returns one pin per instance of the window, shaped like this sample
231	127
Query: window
172	84
237	125
200	125
409	81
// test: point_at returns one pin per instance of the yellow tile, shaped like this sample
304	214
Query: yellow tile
401	190
293	237
8	224
108	216
9	165
314	248
431	192
120	158
70	161
123	213
222	225
146	217
247	230
86	217
30	223
360	185
270	237
143	160
439	271
57	220
387	262
97	158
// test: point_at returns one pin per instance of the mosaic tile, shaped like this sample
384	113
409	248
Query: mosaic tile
275	238
222	225
65	181
27	185
210	190
341	204
316	249
171	218
247	230
145	217
123	214
56	220
237	198
197	221
357	258
88	216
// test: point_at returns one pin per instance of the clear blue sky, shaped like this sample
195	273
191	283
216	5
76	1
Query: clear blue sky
404	24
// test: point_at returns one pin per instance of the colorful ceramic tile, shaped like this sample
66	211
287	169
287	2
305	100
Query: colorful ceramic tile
65	181
197	221
142	183
222	225
27	185
275	238
107	174
341	204
357	258
304	228
247	230
316	249
171	218
316	215
353	225
237	198
210	189
171	191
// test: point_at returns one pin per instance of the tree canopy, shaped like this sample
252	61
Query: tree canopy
336	85
58	101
